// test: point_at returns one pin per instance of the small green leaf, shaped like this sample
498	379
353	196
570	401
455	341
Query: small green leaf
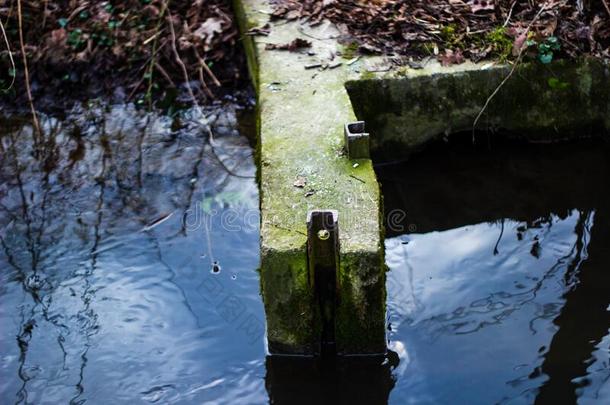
62	22
557	84
546	57
553	43
530	42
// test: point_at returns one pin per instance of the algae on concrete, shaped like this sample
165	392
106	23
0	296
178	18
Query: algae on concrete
301	114
563	100
301	118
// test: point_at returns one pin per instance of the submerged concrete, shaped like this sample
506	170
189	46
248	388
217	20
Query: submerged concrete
303	164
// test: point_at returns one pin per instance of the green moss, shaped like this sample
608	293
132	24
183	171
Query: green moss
450	36
350	50
288	299
360	326
246	22
367	75
406	113
501	43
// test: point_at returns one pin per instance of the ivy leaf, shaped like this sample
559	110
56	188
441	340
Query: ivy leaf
545	57
553	43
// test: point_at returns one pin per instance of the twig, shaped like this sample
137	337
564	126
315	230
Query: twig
606	6
10	56
302	31
204	85
153	61
165	74
26	73
179	60
519	57
186	75
510	13
205	66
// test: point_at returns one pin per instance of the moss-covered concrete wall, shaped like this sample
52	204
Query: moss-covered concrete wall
301	117
301	114
562	100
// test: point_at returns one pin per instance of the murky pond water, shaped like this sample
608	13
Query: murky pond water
129	249
499	288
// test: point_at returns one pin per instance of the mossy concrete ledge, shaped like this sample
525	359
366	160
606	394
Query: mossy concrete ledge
541	103
302	167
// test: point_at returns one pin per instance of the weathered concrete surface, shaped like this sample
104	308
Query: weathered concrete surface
405	110
301	119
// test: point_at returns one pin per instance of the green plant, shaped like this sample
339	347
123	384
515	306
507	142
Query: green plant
547	48
349	51
75	39
449	35
500	42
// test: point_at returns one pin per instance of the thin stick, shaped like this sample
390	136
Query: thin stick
153	61
186	75
510	13
205	66
204	85
165	74
26	73
10	56
519	56
178	59
606	6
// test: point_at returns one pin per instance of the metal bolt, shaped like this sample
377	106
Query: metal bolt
323	234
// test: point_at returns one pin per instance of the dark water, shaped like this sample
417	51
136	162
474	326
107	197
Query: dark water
129	249
500	273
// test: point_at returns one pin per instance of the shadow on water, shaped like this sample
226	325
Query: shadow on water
347	380
502	275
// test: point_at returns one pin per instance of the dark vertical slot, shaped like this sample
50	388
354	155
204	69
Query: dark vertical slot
323	256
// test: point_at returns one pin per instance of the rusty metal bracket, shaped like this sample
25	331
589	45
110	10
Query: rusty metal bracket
356	140
323	259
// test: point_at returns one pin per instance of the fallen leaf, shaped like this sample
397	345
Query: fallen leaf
208	29
450	57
